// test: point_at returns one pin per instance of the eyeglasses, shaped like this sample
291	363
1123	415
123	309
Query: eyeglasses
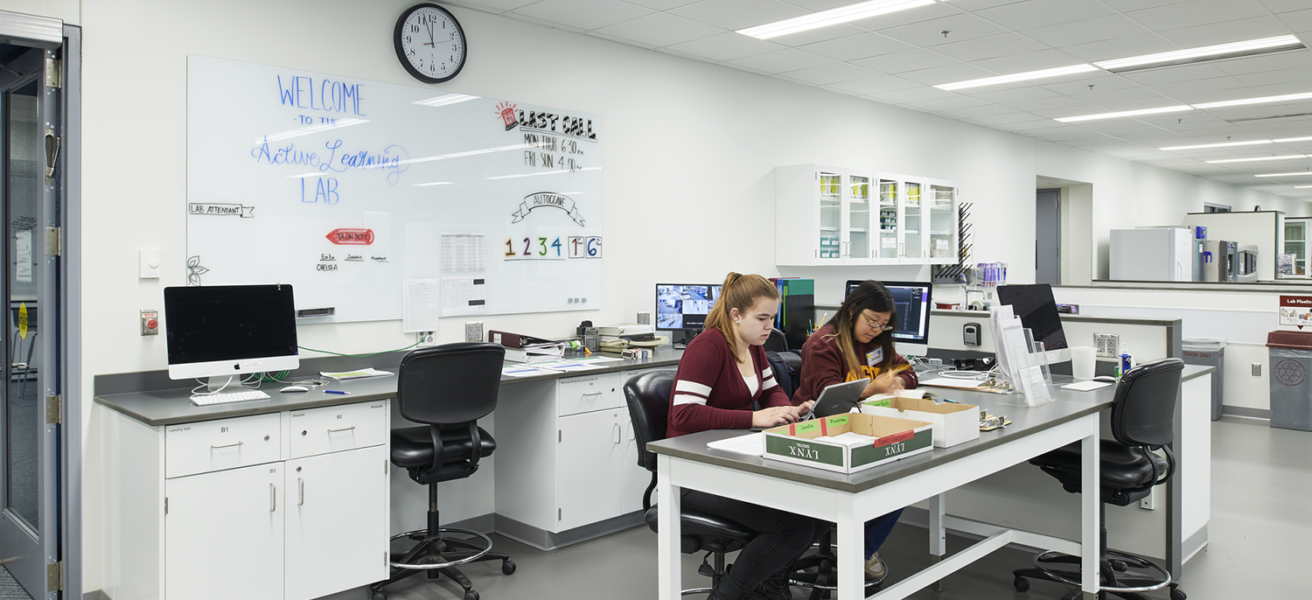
876	325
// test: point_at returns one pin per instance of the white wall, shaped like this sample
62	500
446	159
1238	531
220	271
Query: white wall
688	170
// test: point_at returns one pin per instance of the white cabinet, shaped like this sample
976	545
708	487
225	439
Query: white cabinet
837	216
590	450
290	505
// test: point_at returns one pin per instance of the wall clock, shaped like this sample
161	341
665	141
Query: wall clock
430	43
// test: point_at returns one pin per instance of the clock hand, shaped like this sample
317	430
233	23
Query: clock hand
430	35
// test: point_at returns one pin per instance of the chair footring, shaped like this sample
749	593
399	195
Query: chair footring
695	591
468	559
1161	582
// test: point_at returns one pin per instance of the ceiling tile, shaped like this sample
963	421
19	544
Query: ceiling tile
993	46
975	112
1030	61
946	74
911	96
542	22
1008	97
621	40
903	62
826	74
726	46
1102	97
1196	12
1056	102
660	29
659	4
1042	13
1230	31
1282	76
1188	91
977	5
873	85
1083	32
823	34
1100	80
583	14
1283	6
1298	20
1012	117
1266	62
929	34
739	14
907	17
858	46
780	61
949	103
493	6
819	5
1128	5
1173	74
1147	43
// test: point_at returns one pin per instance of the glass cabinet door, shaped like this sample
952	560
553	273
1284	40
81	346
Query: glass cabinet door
1296	244
915	221
887	241
858	218
831	215
942	224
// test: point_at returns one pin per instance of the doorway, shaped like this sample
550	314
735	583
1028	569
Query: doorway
1047	237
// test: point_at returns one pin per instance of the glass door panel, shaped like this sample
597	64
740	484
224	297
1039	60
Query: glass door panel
915	223
942	221
858	218
888	220
831	214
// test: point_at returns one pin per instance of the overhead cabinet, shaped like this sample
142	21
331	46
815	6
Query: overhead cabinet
834	216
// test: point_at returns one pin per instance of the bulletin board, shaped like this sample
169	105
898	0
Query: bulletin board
377	200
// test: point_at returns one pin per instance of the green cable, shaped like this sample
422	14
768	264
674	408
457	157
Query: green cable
357	355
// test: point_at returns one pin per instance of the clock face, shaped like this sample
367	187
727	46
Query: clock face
430	43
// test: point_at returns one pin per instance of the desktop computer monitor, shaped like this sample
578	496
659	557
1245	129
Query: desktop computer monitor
225	331
1037	310
913	302
682	309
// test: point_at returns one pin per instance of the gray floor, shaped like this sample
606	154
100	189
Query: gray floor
1252	552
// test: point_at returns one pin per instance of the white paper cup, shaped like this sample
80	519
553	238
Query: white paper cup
1083	359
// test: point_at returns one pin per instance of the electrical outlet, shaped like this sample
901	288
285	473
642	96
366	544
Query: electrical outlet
644	318
1257	369
1149	502
1107	344
474	331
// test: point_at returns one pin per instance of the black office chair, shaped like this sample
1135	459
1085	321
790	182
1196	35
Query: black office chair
776	342
1142	421
448	388
648	396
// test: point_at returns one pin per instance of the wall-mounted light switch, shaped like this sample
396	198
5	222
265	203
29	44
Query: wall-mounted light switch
1257	369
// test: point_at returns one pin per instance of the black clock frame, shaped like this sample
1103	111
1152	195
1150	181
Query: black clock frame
400	51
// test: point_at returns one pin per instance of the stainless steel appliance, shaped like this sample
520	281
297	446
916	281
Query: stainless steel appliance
1219	258
1246	263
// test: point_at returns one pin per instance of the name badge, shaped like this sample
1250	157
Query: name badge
875	357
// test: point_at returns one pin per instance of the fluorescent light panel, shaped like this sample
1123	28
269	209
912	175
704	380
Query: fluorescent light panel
1297	139
1128	113
1190	55
1299	187
1237	160
833	16
1285	174
1223	145
1246	101
961	85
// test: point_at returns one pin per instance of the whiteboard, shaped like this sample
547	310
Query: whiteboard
348	189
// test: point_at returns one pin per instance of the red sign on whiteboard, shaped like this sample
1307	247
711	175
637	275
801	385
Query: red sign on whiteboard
351	237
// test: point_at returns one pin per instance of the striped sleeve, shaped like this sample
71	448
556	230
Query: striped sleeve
703	396
690	392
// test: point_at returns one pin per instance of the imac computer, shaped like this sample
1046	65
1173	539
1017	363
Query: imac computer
913	302
1037	310
225	331
682	309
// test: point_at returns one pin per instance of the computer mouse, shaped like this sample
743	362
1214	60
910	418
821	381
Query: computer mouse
1107	378
294	388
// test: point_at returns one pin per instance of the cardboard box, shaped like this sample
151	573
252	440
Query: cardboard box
953	423
877	440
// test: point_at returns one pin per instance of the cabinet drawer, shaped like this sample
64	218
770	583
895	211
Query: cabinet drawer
337	428
585	394
224	444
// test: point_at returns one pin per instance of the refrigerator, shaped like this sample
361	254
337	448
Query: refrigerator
1153	254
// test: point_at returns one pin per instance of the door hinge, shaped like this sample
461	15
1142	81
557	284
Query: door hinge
54	577
52	409
54	73
52	241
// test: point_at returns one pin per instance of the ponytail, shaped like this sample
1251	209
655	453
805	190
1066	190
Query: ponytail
741	292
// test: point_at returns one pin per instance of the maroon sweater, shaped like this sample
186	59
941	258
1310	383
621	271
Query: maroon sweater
823	365
709	391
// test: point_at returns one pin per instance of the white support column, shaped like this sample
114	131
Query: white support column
668	510
1090	500
851	548
938	537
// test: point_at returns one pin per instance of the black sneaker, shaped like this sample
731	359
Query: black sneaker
775	587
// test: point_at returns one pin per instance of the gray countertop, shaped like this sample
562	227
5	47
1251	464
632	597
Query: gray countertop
172	406
1067	407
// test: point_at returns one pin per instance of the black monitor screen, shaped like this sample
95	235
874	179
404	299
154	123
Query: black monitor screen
913	309
684	306
1037	310
229	322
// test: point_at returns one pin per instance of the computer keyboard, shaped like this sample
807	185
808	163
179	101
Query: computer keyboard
228	397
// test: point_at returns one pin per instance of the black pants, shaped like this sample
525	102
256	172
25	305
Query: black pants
782	536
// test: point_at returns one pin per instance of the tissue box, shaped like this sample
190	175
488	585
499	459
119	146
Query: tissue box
849	442
953	423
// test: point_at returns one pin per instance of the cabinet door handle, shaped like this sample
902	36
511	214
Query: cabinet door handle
300	492
593	394
227	445
616	430
341	430
273	498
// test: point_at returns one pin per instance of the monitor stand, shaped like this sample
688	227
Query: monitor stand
218	382
681	338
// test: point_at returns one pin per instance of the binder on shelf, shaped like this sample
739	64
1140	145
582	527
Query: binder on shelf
526	348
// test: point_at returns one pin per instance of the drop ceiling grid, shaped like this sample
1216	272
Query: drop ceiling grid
897	58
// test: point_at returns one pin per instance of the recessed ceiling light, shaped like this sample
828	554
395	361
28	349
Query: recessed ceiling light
833	16
961	85
1206	53
1262	100
1225	145
1128	113
1284	174
1299	187
1235	160
1298	139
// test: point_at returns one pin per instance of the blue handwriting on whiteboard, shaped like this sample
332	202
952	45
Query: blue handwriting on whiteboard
392	158
328	95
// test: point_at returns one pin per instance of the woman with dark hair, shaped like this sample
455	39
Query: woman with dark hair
857	344
723	370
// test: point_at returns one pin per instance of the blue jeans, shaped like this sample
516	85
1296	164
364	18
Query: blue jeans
877	530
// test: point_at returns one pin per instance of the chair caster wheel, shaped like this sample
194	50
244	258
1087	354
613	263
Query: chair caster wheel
379	595
1119	565
471	595
1178	595
1022	584
508	566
